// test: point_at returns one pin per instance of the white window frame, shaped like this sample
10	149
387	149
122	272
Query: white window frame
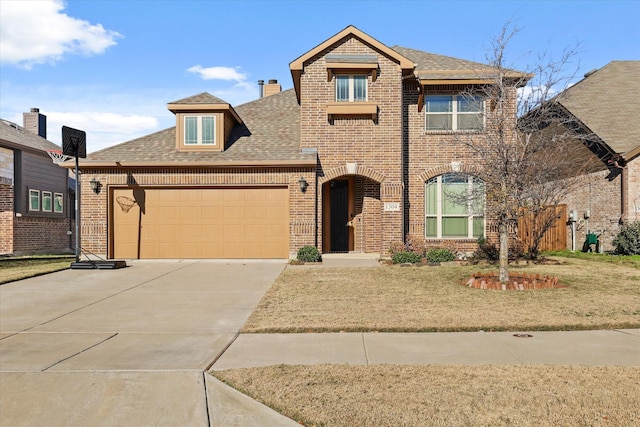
46	195
199	137
37	194
351	87
57	196
470	215
454	113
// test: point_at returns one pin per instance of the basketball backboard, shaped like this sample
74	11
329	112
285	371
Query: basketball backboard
74	142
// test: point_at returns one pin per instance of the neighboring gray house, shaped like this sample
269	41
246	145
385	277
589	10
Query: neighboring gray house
35	214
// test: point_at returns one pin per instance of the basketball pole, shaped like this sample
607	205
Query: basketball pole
77	210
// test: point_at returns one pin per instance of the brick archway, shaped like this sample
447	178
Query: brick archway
358	170
441	170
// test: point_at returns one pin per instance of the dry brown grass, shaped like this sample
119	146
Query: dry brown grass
384	395
597	296
23	268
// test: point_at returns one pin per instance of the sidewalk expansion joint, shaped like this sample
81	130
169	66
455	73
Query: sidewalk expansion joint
364	346
79	352
235	337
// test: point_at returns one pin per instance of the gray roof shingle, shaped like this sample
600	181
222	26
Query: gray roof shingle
270	132
201	98
607	102
21	137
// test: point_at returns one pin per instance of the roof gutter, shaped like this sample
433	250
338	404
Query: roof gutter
181	165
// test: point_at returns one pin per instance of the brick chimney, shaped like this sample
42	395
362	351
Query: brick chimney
35	122
272	87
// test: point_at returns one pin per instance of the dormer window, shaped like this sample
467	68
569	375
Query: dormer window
351	88
203	123
199	130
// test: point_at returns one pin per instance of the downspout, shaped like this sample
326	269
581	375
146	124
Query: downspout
624	182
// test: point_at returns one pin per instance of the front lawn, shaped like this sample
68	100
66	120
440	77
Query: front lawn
12	269
600	292
432	299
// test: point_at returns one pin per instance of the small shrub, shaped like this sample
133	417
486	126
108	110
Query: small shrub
627	241
309	254
440	255
487	250
416	244
405	257
395	247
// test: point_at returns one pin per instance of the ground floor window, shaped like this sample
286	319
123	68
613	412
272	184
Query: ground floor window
454	207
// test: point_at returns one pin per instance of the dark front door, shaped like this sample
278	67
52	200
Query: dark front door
339	216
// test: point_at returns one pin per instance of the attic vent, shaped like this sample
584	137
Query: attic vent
13	125
588	73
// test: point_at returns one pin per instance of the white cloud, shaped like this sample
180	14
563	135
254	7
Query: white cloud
103	128
36	32
218	73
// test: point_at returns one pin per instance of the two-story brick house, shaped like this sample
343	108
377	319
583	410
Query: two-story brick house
357	155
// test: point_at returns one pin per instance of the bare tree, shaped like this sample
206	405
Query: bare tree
526	154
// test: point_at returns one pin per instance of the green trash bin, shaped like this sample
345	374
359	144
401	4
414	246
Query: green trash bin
592	239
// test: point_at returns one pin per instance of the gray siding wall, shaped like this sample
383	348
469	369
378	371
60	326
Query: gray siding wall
38	172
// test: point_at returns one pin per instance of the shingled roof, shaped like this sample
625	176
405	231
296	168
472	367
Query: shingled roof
270	133
431	66
19	137
201	98
607	102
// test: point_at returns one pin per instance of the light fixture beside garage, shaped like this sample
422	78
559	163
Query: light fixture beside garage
95	185
303	184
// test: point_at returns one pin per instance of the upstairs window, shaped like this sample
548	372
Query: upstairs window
199	130
454	207
47	201
454	113
34	200
351	88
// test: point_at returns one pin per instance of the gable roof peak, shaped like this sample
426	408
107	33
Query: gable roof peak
201	98
297	65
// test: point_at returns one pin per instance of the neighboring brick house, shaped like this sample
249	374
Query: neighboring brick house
34	192
606	108
356	156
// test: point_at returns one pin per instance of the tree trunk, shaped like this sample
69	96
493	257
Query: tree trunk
504	251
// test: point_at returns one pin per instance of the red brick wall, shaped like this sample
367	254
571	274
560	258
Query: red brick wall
40	235
6	218
375	145
429	154
601	197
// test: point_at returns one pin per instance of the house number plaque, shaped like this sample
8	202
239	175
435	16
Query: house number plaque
391	206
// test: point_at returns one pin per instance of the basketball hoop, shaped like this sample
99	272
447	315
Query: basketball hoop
57	156
126	203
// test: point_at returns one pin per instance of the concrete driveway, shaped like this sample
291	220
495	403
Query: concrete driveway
125	347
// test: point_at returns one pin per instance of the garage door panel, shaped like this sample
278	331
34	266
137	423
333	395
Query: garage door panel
204	223
166	215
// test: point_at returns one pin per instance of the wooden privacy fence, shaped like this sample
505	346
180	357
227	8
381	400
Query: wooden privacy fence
555	238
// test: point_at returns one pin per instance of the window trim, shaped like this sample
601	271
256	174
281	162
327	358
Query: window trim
199	130
351	87
56	196
47	195
31	194
454	113
472	182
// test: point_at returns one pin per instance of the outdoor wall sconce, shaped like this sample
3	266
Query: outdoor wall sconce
95	185
303	184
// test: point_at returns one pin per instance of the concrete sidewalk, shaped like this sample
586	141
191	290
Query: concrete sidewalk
611	347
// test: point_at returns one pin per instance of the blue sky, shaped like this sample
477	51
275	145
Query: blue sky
109	67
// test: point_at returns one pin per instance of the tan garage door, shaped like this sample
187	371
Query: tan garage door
201	223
